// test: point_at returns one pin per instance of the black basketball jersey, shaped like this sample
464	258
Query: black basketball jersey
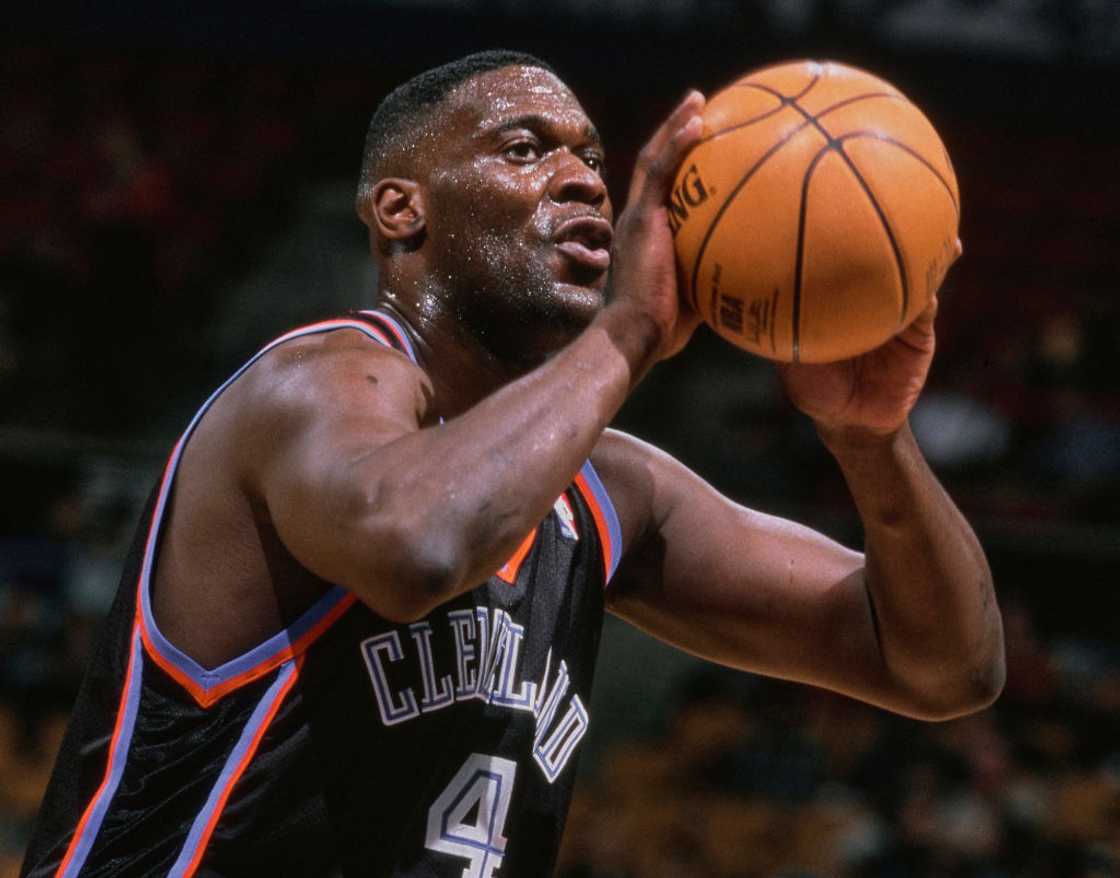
345	744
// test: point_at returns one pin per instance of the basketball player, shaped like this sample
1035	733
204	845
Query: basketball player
357	631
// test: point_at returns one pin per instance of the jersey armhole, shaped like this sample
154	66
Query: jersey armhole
207	686
605	517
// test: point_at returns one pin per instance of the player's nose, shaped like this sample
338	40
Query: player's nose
573	180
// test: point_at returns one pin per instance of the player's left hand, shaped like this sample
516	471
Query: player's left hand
868	395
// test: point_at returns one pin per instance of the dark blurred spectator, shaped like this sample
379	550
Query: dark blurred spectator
760	778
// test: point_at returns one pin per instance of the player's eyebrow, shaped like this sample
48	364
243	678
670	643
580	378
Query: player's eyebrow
537	122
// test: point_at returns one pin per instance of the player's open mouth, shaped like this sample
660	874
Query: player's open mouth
586	240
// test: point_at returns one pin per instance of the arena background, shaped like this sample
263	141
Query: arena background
177	188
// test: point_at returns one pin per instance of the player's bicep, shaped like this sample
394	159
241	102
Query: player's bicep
319	495
322	421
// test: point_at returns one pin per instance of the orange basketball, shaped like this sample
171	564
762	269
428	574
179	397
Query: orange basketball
817	216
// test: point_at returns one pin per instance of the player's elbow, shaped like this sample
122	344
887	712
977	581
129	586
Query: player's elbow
958	691
412	593
409	574
991	681
988	678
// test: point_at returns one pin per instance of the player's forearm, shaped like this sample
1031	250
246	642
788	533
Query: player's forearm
939	626
454	502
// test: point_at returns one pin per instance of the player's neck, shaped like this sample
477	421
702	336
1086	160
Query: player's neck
462	370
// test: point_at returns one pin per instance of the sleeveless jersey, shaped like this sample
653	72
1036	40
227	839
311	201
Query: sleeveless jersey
345	744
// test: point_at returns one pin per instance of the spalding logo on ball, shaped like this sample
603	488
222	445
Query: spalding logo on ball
817	216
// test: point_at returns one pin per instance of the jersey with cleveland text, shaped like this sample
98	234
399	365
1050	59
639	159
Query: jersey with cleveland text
345	744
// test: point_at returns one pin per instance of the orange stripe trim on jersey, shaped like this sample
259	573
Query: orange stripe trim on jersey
513	565
114	764
205	697
207	686
246	758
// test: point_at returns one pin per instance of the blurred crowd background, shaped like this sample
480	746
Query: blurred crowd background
177	187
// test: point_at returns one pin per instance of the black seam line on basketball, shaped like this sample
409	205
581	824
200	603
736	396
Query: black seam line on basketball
909	151
724	131
886	228
784	104
837	144
792	102
727	202
891	239
799	257
785	99
856	98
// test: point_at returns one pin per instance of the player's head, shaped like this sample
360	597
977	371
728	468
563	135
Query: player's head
405	116
482	188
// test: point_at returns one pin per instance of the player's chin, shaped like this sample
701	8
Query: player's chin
579	274
577	304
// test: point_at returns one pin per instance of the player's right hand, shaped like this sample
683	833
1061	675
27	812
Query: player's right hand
643	264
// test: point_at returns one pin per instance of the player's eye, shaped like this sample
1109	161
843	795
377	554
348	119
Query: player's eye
522	151
593	161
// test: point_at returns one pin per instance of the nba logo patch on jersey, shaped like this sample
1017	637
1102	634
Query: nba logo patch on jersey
567	517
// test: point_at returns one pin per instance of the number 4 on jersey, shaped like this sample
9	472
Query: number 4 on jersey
468	818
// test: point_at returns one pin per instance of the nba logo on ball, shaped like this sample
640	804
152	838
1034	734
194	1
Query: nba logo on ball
824	217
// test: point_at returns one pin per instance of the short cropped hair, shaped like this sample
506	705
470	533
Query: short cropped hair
402	113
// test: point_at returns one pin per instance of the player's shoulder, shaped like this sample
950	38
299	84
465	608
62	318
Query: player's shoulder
312	384
617	449
618	454
305	371
336	349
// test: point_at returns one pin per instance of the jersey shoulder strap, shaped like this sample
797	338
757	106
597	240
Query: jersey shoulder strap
389	330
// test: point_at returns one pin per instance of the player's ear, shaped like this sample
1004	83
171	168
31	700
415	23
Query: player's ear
394	209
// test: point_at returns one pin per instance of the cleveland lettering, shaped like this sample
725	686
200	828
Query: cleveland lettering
487	649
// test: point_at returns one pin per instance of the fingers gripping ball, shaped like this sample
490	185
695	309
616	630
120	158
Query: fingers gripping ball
818	214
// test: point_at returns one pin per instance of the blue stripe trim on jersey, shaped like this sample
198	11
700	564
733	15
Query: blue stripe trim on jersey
242	746
614	528
400	333
207	679
284	638
117	759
